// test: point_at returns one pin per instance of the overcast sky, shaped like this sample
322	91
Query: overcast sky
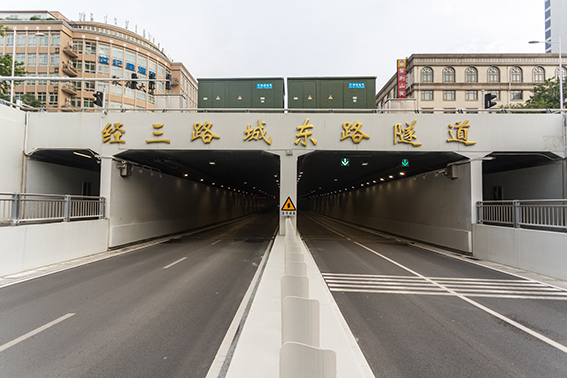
251	38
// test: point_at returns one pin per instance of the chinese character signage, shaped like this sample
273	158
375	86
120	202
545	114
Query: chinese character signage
401	78
264	86
356	85
260	132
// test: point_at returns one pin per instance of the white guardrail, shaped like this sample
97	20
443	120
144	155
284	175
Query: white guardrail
542	214
17	208
300	355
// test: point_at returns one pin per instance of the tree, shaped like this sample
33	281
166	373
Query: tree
546	95
6	69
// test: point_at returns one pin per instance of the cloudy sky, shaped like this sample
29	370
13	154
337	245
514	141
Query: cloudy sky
252	38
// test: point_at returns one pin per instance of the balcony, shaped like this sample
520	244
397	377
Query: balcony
71	51
70	70
69	89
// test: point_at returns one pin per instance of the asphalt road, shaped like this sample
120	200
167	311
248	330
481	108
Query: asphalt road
417	313
161	311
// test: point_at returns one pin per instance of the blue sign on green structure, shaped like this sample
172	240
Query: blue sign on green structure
405	163
345	162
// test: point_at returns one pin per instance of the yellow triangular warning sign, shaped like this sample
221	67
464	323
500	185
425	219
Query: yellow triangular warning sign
309	98
288	205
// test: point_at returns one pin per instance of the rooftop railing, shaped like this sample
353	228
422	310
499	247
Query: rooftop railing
17	208
537	214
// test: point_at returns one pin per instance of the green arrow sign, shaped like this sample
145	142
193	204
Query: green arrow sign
405	162
345	162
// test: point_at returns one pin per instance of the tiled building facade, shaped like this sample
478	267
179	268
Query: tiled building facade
450	82
50	45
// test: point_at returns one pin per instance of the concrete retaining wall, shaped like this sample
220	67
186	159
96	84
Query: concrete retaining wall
27	247
433	209
542	252
144	206
12	122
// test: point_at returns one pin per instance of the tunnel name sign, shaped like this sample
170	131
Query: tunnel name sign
408	133
288	208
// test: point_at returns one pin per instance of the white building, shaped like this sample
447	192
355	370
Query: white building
555	25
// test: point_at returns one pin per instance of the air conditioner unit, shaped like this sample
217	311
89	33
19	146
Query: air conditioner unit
57	50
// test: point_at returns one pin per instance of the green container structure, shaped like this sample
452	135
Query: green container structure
245	93
331	92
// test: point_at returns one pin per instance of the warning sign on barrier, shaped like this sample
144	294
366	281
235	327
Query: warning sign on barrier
288	208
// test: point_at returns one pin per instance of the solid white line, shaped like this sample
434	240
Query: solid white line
215	242
547	340
34	332
172	264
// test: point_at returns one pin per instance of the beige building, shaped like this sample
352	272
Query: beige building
451	82
50	45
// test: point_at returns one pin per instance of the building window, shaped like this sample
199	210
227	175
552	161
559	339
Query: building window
495	93
53	98
20	40
90	48
32	41
117	53
539	75
449	95
89	86
55	39
116	89
425	95
471	75
493	75
21	58
516	75
42	82
78	65
517	95
78	45
54	59
103	69
90	67
42	60
426	75
43	41
104	50
32	59
117	71
88	103
31	82
10	40
448	75
77	84
161	71
471	95
42	97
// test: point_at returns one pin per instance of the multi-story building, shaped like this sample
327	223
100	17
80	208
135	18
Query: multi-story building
50	45
449	82
555	26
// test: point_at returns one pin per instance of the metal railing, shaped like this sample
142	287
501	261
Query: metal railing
16	208
544	214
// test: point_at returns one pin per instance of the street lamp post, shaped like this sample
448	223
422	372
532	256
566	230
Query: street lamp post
561	106
13	66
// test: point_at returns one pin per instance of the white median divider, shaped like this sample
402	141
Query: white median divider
316	345
300	355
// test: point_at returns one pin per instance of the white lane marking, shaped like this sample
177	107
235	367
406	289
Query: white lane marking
173	263
547	340
34	332
541	337
216	242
